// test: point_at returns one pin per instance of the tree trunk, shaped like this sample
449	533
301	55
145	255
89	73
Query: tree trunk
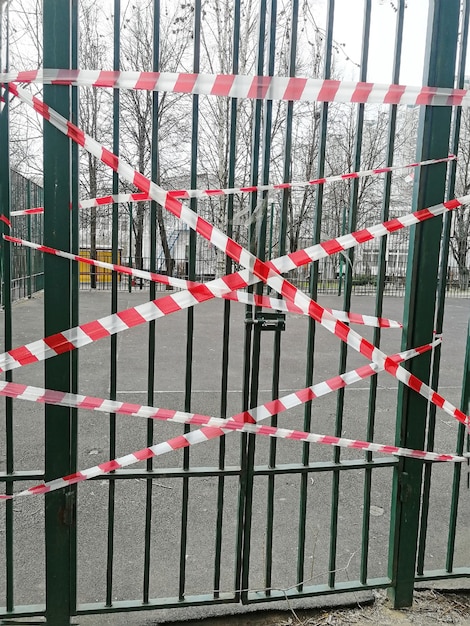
169	261
92	166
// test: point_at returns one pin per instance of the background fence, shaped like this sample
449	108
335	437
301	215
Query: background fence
28	266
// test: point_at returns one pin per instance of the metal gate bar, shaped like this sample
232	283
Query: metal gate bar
441	293
5	198
60	505
422	283
381	274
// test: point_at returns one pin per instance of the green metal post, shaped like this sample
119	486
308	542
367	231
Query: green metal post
341	260
75	274
131	223
28	252
348	276
443	265
232	155
152	295
5	299
57	313
190	315
420	297
381	272
114	308
313	290
251	361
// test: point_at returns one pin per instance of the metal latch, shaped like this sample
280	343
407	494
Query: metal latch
267	321
67	513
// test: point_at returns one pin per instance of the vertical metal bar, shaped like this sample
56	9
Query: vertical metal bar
441	292
381	271
114	307
267	130
5	277
28	226
191	276
249	451
438	325
226	328
152	326
465	407
313	287
420	299
347	293
131	224
75	185
57	315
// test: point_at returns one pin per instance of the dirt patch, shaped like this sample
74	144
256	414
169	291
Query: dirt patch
430	607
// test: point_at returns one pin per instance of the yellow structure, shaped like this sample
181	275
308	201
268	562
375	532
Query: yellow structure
103	276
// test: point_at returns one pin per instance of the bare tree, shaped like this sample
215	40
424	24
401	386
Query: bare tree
137	109
95	107
25	52
460	239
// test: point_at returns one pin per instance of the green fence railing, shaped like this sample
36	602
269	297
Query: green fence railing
27	266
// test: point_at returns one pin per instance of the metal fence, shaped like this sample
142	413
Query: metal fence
27	268
234	520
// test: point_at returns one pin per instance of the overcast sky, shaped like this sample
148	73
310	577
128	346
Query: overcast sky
348	30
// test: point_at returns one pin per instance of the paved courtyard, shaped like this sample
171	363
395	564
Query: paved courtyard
130	496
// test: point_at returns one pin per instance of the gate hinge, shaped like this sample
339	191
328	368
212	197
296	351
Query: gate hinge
267	321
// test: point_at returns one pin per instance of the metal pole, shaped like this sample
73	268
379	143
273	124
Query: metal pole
5	299
131	222
341	260
420	299
57	314
28	218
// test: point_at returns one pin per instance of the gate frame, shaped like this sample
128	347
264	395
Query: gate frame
60	24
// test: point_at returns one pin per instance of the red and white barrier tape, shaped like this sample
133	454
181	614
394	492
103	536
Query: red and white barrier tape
239	254
252	87
89	332
237	296
122	198
20	391
321	250
214	427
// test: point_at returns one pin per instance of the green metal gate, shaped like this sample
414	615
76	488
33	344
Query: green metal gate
238	519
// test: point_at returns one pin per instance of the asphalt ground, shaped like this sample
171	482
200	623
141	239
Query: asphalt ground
130	497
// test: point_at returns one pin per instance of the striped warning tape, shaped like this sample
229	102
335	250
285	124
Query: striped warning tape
252	87
122	198
237	296
215	427
321	250
89	332
209	433
238	254
269	409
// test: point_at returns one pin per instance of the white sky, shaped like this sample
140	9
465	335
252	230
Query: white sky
348	26
348	30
